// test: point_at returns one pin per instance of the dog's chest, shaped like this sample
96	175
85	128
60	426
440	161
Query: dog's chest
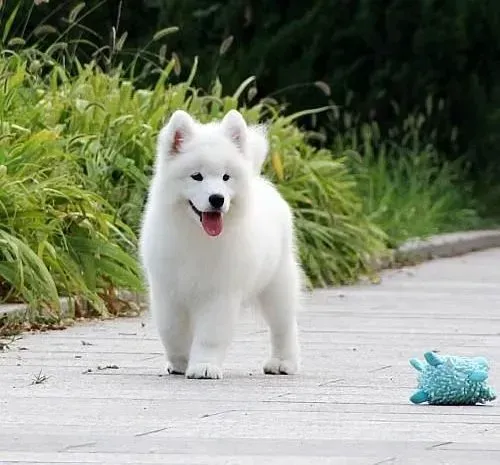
215	267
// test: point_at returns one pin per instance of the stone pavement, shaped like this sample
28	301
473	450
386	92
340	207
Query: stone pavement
101	397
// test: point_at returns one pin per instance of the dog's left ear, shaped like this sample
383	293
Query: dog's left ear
235	128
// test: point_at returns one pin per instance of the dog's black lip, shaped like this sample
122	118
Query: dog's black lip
195	209
198	212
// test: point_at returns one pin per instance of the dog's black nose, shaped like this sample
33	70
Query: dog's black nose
216	200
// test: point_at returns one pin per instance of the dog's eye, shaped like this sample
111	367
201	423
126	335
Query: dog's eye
197	177
226	177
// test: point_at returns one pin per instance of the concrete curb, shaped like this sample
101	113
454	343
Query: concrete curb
67	304
446	245
413	251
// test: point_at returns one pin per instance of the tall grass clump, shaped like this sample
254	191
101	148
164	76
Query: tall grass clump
75	157
58	237
77	144
407	188
118	124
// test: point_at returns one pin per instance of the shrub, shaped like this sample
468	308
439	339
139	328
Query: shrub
77	152
57	236
407	188
120	125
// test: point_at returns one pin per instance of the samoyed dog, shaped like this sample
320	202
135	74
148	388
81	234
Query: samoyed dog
217	237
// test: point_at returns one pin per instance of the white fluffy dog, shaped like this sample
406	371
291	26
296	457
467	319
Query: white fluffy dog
217	237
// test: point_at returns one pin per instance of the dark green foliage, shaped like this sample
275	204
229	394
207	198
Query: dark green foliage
363	54
383	51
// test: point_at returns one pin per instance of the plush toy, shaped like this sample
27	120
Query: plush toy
448	380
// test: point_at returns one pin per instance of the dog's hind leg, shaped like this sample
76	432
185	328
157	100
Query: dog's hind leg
279	304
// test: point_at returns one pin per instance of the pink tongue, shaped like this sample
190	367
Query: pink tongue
212	223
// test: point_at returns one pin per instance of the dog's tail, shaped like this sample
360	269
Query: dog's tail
258	146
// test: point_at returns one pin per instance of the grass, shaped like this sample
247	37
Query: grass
337	240
409	191
40	378
58	237
76	152
120	124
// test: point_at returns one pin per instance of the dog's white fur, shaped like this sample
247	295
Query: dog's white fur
197	283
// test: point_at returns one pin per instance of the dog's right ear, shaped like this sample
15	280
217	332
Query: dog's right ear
174	135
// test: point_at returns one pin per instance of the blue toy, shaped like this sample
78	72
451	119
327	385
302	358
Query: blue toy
448	380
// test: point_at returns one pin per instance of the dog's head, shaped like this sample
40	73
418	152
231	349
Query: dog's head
207	167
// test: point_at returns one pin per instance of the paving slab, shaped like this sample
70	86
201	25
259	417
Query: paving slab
96	393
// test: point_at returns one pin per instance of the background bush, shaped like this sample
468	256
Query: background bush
384	52
388	56
407	190
57	237
76	155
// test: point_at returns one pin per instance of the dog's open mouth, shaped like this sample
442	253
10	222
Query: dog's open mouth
211	221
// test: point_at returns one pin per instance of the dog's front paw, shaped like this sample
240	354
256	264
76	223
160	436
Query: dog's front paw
204	371
176	365
175	369
275	366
